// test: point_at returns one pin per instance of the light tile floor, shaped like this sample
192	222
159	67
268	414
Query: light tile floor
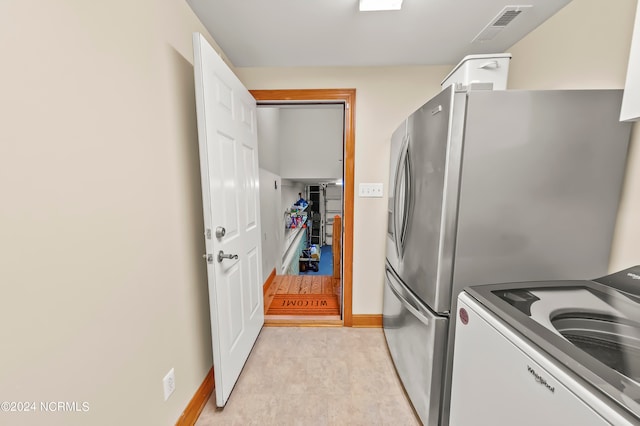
315	376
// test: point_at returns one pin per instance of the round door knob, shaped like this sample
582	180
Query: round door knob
220	231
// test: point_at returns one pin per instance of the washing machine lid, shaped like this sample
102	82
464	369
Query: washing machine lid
591	329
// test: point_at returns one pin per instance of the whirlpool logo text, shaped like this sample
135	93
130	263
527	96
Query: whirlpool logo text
540	379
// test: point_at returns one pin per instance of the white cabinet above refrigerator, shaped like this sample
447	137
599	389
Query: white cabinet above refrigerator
631	99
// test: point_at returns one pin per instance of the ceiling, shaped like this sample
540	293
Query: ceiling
306	33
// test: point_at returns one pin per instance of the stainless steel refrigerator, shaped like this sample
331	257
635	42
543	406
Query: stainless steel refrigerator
487	187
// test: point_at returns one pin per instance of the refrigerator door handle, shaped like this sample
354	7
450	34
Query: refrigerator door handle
400	217
396	235
411	306
406	198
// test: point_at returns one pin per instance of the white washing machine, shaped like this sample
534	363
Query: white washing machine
548	353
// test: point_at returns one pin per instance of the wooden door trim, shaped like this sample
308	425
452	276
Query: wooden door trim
348	97
269	281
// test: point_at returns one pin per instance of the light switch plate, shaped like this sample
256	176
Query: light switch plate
370	190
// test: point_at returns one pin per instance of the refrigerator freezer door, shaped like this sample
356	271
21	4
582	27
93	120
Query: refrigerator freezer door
416	338
396	195
434	138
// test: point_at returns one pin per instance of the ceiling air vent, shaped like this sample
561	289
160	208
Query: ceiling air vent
501	20
506	17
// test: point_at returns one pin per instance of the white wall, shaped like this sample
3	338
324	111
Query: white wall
101	234
271	220
311	142
586	45
270	197
268	120
384	97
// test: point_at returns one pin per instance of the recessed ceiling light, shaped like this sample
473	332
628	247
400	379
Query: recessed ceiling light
376	5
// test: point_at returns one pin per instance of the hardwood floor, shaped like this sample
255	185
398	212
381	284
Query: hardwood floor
301	284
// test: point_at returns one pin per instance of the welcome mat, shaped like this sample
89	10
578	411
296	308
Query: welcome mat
304	304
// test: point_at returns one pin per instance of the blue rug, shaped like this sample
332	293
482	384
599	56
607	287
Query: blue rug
326	263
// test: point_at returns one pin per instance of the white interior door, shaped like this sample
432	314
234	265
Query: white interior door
228	143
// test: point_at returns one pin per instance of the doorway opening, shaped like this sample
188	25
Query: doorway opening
312	227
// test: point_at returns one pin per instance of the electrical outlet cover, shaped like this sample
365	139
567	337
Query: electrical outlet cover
169	384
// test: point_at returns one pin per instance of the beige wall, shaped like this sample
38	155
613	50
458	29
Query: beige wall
103	285
586	45
384	97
